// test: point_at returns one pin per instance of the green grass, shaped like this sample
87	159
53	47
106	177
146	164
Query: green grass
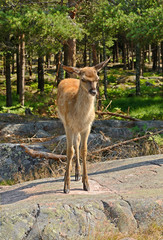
15	100
146	108
151	74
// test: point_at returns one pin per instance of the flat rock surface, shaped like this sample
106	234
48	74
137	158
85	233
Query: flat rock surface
126	194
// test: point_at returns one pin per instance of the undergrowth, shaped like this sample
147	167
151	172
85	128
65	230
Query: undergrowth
148	106
153	232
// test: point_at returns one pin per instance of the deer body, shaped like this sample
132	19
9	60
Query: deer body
75	100
76	106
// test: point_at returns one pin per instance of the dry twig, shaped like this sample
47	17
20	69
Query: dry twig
117	115
125	142
34	153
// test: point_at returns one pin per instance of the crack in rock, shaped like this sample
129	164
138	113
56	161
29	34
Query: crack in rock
35	213
120	214
131	210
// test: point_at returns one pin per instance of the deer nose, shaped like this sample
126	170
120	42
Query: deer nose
93	92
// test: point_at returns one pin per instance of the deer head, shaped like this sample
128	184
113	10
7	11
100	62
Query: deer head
88	76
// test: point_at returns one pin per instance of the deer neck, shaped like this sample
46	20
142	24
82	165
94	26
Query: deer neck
84	100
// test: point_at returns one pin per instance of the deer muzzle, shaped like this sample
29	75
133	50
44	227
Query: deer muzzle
93	92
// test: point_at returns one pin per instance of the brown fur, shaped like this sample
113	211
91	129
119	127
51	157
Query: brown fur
75	102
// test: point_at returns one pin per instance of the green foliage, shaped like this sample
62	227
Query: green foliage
158	139
139	131
111	78
96	17
44	29
7	182
147	27
135	130
47	27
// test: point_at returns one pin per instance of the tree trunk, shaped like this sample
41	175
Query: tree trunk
13	64
149	54
142	62
65	49
104	58
47	60
71	42
124	55
114	52
128	56
132	52
159	57
162	54
22	68
72	52
138	61
40	73
65	62
117	51
18	67
8	81
30	67
85	51
59	69
154	57
94	54
4	65
90	58
95	61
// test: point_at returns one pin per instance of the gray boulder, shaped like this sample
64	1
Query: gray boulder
125	195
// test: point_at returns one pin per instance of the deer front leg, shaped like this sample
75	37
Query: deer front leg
77	164
70	153
84	139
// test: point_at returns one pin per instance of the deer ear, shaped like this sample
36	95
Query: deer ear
101	65
72	69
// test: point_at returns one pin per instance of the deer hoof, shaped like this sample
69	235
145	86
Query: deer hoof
66	190
86	187
77	177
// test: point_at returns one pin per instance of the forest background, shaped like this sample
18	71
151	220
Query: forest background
37	37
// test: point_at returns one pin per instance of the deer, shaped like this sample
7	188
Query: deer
76	109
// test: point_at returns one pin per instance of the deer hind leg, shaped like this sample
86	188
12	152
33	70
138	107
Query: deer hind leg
84	139
77	164
70	154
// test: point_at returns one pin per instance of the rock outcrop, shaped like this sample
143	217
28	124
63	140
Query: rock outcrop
125	195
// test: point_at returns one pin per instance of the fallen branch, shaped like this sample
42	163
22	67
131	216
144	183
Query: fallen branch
117	115
125	142
34	153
